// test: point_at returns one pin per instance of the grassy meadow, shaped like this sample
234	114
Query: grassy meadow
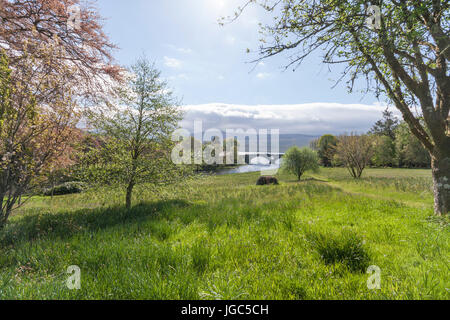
223	237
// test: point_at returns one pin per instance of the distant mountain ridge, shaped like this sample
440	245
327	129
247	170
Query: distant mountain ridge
286	141
299	140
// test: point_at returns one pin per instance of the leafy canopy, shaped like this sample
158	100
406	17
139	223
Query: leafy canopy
297	161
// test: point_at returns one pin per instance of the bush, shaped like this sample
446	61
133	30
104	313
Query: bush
66	188
297	161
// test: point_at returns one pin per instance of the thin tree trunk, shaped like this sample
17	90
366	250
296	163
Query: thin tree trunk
53	189
129	193
440	164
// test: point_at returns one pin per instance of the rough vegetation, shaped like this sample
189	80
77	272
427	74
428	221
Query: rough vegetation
222	237
66	188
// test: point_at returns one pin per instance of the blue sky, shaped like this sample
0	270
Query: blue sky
206	63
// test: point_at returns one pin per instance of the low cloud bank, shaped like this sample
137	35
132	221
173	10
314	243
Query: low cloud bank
309	119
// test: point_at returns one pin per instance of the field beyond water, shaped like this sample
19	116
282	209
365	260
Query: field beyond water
223	237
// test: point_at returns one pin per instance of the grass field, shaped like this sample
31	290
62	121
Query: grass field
222	237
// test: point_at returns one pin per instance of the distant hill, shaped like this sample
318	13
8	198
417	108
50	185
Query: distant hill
299	140
286	141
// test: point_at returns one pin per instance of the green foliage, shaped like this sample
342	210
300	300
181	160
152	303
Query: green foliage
298	161
136	129
5	87
326	149
384	152
395	145
66	188
410	152
386	127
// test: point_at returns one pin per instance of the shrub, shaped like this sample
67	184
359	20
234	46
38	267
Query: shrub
66	188
355	152
297	161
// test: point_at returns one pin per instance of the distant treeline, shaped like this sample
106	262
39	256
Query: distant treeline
393	146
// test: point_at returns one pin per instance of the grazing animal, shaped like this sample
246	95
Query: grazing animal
266	180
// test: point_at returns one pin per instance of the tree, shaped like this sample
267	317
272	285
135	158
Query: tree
37	117
59	170
401	49
355	153
297	161
314	144
136	127
409	150
45	68
384	151
326	149
386	126
84	47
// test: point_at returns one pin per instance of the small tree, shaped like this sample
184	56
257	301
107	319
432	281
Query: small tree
355	153
297	161
137	129
326	149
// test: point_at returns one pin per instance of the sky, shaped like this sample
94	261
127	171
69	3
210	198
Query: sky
209	69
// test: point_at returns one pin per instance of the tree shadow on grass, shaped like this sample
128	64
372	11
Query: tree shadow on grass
46	226
304	180
313	179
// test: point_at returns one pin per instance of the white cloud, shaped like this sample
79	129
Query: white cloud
312	118
172	62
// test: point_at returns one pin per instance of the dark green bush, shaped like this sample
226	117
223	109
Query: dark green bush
66	188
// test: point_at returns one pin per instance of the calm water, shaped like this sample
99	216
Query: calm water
251	168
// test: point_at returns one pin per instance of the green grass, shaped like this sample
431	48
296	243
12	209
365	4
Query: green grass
224	237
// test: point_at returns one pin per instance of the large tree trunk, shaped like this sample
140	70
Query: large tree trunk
129	193
440	164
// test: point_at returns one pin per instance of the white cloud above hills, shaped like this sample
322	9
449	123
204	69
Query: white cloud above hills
309	118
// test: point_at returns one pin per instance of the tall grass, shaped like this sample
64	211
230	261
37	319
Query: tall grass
225	238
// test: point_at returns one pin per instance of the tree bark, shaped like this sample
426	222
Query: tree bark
129	193
440	164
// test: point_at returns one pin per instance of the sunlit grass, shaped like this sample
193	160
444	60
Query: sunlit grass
223	237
